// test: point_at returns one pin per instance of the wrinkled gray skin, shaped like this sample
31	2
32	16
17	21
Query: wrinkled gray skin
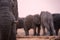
7	26
32	22
47	22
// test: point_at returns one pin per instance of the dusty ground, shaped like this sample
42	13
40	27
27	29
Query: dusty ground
20	32
39	38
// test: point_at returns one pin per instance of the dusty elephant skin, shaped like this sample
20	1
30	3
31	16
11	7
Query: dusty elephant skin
56	18
7	26
32	22
47	22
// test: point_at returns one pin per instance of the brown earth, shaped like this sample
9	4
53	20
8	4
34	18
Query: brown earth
21	35
40	38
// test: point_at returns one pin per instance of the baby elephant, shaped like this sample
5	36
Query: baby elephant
20	24
47	22
32	21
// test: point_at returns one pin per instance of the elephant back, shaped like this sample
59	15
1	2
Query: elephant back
28	21
36	19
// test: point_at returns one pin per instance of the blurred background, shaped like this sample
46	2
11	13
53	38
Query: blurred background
27	7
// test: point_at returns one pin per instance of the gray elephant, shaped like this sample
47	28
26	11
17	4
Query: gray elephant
47	22
36	24
20	23
56	18
7	24
32	22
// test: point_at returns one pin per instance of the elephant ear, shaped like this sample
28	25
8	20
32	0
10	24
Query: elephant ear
12	3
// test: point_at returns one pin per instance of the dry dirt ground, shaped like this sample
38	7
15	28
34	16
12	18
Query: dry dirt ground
21	33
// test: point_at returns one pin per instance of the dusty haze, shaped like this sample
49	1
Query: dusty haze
27	7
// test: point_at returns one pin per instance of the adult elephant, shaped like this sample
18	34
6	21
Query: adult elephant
47	22
56	18
7	25
32	21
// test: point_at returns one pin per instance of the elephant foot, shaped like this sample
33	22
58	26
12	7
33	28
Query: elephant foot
53	34
16	33
48	34
38	34
26	35
44	34
35	34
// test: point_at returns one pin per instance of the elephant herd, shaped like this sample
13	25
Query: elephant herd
9	17
45	20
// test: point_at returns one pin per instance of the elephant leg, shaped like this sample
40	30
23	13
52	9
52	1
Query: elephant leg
52	30
4	32
38	30
16	31
43	27
0	35
57	31
4	35
13	32
43	30
34	31
34	28
48	28
26	31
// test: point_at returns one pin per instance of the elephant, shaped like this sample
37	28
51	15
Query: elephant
28	24
47	22
15	12
7	20
20	23
32	21
36	24
56	18
15	9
